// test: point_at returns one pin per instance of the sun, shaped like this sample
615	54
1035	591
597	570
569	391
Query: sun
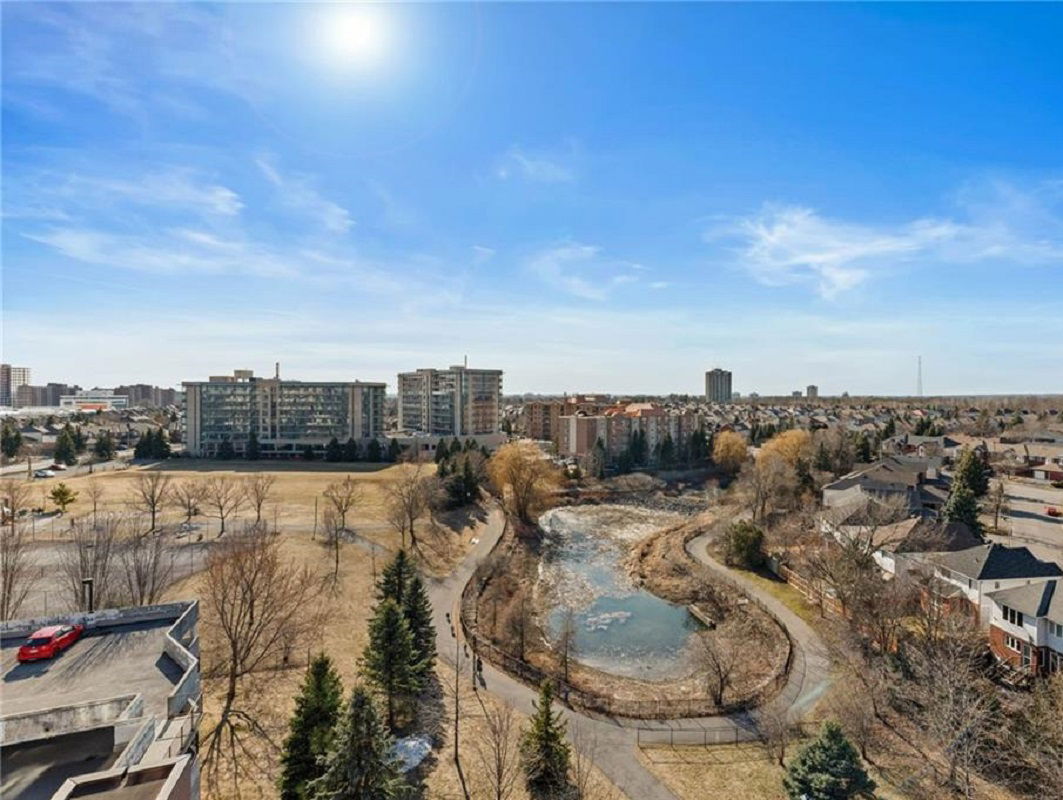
353	36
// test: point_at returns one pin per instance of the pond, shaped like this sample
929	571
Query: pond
619	628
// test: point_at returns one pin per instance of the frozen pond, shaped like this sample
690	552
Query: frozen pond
619	628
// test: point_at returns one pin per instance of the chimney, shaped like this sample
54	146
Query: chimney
277	370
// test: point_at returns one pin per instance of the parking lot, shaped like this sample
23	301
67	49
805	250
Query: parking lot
1027	522
126	660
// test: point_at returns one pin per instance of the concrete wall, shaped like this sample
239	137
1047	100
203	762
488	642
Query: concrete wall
138	744
182	645
66	719
105	618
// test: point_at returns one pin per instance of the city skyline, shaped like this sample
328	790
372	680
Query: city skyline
192	187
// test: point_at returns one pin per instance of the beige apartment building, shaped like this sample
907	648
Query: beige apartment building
542	418
458	401
286	416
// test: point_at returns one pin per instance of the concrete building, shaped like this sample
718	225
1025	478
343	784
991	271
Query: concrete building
142	395
812	391
458	401
10	379
718	386
286	416
113	717
578	434
94	400
542	418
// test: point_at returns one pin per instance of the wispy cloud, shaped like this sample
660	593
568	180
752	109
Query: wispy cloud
580	270
539	167
297	192
482	254
994	220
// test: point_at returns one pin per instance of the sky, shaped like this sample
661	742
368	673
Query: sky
591	197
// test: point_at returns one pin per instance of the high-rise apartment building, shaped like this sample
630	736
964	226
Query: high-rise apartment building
458	401
718	386
285	416
10	379
812	391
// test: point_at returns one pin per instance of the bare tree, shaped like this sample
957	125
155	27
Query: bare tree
258	607
94	491
343	495
765	483
225	498
515	624
585	782
92	555
775	726
189	495
146	567
523	477
259	488
719	660
854	708
151	493
566	641
497	748
17	572
409	496
998	502
334	531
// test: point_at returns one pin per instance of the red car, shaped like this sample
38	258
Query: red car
48	642
1052	511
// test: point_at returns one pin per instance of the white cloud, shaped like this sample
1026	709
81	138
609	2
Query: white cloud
660	285
482	254
537	167
554	265
297	192
176	189
995	221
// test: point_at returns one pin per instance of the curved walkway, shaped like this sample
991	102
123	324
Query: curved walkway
614	739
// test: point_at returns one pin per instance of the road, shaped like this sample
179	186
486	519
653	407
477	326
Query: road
1027	521
613	740
19	470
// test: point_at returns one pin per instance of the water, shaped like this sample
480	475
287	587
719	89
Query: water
619	628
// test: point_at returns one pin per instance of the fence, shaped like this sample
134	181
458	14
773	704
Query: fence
588	700
713	735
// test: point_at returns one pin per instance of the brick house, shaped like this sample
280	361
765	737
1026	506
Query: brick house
1026	627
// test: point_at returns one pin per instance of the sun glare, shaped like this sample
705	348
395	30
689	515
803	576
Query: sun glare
353	36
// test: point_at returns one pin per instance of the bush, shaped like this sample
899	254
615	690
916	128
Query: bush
744	546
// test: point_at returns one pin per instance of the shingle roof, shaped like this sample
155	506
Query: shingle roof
997	562
1043	599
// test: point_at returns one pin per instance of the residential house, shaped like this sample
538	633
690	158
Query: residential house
1026	627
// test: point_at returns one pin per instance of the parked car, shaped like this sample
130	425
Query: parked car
44	473
57	467
49	642
1052	511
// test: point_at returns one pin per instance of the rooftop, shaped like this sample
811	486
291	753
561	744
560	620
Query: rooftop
997	562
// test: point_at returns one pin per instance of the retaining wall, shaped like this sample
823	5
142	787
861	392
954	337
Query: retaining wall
67	719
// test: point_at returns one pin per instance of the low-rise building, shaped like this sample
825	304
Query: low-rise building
1026	627
284	416
94	400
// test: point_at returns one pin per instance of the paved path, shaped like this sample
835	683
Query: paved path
615	739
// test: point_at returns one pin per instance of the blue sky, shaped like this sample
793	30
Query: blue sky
590	197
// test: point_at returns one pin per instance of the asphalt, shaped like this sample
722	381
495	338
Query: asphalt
35	770
612	741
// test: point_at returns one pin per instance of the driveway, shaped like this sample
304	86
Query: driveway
612	741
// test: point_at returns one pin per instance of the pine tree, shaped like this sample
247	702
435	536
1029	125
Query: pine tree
81	444
417	609
62	495
161	445
394	450
317	710
360	765
455	446
543	749
350	450
226	452
372	451
962	506
863	449
103	449
442	451
827	768
395	578
970	471
333	450
822	460
389	661
308	453
253	451
10	441
65	451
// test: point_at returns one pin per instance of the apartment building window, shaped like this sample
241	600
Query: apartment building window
1054	661
1012	616
1012	643
1056	629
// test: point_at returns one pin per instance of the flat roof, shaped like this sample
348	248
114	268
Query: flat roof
115	661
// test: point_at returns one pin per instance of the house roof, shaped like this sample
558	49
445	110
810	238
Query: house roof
997	562
1044	599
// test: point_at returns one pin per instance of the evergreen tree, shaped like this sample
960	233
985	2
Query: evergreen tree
394	450
253	451
81	444
160	445
226	452
360	765
805	481
417	609
389	661
62	495
350	450
10	441
863	449
543	749
666	455
308	453
890	429
65	452
372	451
822	460
442	451
333	450
970	471
827	768
962	506
317	710
395	578
104	448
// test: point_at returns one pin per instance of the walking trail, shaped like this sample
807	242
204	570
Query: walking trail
614	739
